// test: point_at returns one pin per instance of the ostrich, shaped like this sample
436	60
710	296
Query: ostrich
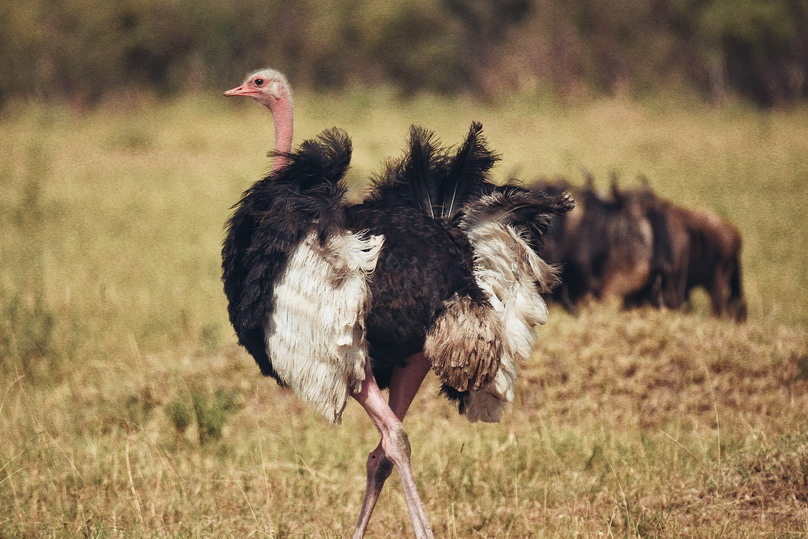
433	271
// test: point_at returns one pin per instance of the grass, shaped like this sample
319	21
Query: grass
127	409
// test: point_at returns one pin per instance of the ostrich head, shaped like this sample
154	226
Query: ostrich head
270	88
267	86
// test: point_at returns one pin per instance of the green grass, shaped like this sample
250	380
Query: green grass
127	409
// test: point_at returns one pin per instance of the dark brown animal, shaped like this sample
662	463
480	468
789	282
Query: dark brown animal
667	273
713	260
690	249
604	246
642	249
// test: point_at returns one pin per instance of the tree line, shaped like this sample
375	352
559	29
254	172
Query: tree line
84	50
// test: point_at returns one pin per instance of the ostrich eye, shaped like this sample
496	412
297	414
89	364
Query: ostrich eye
259	82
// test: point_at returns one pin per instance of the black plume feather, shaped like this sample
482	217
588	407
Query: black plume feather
414	179
518	207
434	182
321	160
315	173
418	169
467	172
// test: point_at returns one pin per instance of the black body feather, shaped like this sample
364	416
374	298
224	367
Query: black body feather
425	259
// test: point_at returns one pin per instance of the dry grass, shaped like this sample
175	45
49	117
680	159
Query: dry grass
127	409
626	423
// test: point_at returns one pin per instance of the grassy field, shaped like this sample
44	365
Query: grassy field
126	409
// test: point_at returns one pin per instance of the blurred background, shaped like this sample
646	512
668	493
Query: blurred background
84	50
127	407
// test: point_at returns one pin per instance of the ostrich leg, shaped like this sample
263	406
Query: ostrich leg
394	448
404	385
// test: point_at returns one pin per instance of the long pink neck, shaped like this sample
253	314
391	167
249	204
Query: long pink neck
284	120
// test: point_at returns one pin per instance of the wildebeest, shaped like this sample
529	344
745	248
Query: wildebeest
714	261
604	246
643	249
667	272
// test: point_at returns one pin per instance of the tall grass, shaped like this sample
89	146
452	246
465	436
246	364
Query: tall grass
127	409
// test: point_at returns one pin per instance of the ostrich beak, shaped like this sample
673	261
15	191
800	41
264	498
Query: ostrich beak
240	90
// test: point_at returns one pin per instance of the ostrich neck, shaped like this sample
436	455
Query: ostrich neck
284	119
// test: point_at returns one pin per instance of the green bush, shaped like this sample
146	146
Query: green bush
84	50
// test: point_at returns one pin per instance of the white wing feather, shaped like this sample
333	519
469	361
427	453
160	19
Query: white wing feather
315	335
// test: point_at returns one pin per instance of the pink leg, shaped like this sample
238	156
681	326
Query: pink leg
394	448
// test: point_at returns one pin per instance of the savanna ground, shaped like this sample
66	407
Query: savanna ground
126	408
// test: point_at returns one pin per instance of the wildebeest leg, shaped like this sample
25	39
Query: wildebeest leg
736	304
718	291
658	292
678	289
567	301
404	384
